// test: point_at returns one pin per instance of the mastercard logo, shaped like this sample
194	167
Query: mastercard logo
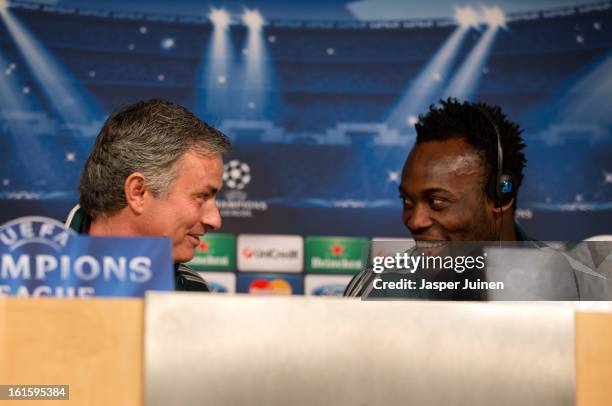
267	287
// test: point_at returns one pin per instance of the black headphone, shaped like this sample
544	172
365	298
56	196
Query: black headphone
501	187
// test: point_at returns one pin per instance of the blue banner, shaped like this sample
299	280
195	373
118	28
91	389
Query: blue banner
40	257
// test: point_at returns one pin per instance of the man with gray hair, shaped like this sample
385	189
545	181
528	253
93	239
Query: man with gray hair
154	170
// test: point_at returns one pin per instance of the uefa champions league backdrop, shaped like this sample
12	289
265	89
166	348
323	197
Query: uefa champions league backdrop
318	98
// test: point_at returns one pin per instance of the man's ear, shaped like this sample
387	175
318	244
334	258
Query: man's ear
504	207
135	190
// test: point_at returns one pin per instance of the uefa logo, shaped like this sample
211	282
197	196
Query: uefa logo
236	174
37	230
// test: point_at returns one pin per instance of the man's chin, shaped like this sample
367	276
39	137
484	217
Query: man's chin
183	255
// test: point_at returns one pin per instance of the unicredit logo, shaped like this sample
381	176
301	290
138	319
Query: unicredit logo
271	253
247	253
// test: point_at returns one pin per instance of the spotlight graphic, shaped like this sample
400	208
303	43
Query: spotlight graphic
220	18
257	69
217	68
466	17
252	19
428	84
21	120
64	93
494	17
465	82
13	90
586	101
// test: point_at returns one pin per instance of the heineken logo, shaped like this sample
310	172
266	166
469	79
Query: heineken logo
210	261
216	252
337	250
336	263
335	254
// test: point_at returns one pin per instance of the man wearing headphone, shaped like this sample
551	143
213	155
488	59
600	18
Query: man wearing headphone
461	178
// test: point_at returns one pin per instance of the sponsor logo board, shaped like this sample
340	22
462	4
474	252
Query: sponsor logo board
216	252
270	253
326	285
220	282
335	254
270	284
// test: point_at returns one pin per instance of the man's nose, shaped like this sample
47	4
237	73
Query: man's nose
417	219
212	217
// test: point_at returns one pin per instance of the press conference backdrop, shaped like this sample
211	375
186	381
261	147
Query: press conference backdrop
320	106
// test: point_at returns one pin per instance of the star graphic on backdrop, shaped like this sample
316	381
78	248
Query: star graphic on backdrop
607	177
393	176
70	156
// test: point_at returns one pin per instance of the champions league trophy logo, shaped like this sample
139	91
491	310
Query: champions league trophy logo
235	203
236	175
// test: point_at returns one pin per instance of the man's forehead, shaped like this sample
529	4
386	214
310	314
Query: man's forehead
201	170
442	160
193	159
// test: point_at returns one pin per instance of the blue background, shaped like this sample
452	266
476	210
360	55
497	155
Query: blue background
311	101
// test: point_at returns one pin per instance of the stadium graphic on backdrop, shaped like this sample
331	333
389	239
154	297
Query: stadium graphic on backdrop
319	110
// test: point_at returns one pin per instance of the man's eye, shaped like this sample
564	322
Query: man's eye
406	202
437	203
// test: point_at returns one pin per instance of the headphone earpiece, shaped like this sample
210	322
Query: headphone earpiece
505	188
500	188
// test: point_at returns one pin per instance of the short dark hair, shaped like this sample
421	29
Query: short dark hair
148	137
471	122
